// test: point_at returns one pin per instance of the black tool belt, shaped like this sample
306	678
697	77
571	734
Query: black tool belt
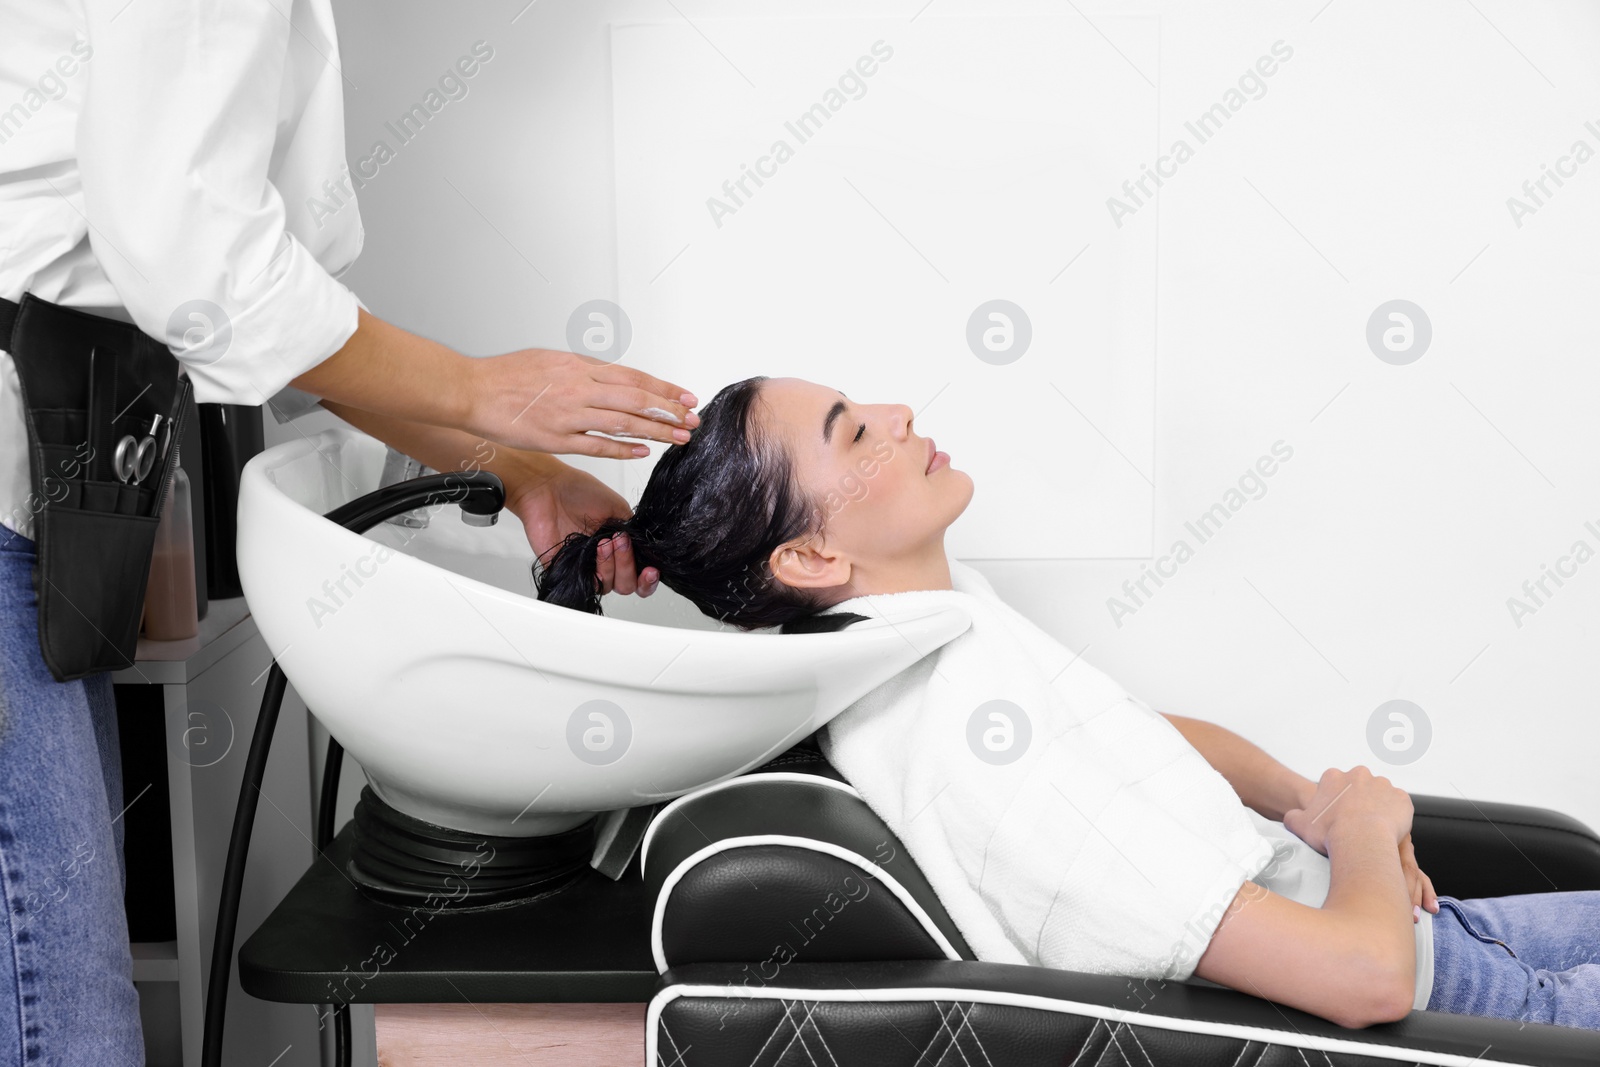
96	497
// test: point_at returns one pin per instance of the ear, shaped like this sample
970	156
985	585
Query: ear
809	563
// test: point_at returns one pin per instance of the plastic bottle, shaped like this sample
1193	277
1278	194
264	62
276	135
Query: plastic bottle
171	612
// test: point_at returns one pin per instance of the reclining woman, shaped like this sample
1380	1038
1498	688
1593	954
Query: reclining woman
1062	822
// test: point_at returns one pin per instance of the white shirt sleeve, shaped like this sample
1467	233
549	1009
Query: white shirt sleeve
181	126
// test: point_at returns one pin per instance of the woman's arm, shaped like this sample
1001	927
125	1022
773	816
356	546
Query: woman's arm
1352	961
1270	788
1263	784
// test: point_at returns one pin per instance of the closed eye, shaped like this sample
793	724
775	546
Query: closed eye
860	430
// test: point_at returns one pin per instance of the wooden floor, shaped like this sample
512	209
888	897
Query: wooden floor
511	1035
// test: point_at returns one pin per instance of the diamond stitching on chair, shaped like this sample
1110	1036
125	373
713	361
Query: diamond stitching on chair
800	1031
790	1007
678	1053
955	1033
948	1033
1122	1027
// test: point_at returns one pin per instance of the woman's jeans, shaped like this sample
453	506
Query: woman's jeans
1534	957
66	982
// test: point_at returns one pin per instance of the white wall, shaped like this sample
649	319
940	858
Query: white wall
1375	166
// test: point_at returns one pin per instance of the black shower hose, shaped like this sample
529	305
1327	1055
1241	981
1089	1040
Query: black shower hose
480	495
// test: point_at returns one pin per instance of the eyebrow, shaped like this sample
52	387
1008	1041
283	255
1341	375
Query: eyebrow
832	417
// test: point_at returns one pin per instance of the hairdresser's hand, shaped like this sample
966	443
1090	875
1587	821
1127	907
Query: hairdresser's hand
549	401
554	500
1420	885
1356	795
537	399
614	566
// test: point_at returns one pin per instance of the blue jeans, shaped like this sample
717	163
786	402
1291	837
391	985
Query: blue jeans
66	977
1534	957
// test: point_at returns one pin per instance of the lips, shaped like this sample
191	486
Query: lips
932	452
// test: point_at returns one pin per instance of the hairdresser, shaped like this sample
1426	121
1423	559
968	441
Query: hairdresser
156	163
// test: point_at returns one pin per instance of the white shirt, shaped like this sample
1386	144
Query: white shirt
1061	821
159	160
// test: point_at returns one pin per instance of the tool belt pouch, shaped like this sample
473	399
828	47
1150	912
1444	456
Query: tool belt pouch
94	533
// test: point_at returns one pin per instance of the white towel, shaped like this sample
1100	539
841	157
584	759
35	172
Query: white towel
1108	845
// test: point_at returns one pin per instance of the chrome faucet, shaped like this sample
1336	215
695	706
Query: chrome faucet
399	467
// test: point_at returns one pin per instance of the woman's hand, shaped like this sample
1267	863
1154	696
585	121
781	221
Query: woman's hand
554	500
1355	795
1420	885
548	401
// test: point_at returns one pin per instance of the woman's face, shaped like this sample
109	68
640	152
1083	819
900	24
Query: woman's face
885	497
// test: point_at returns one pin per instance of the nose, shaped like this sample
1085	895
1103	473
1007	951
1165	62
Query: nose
900	421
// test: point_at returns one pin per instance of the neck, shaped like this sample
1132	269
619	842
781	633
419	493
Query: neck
926	569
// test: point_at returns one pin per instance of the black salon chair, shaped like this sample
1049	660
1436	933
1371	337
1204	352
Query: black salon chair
792	927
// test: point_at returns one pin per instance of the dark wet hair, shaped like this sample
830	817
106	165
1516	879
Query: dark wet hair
714	510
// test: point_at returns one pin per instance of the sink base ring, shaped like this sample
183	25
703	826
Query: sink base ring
403	860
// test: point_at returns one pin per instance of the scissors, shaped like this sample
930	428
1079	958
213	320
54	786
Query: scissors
133	458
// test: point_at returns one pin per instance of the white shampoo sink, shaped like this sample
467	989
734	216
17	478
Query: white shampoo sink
472	705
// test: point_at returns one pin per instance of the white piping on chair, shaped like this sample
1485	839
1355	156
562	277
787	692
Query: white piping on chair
1290	1038
889	881
743	779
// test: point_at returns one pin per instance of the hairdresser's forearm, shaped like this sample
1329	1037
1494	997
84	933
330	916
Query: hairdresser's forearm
1263	784
448	450
395	373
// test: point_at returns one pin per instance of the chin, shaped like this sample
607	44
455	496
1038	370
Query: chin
959	487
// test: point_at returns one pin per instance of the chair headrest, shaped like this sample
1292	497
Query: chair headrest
821	623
